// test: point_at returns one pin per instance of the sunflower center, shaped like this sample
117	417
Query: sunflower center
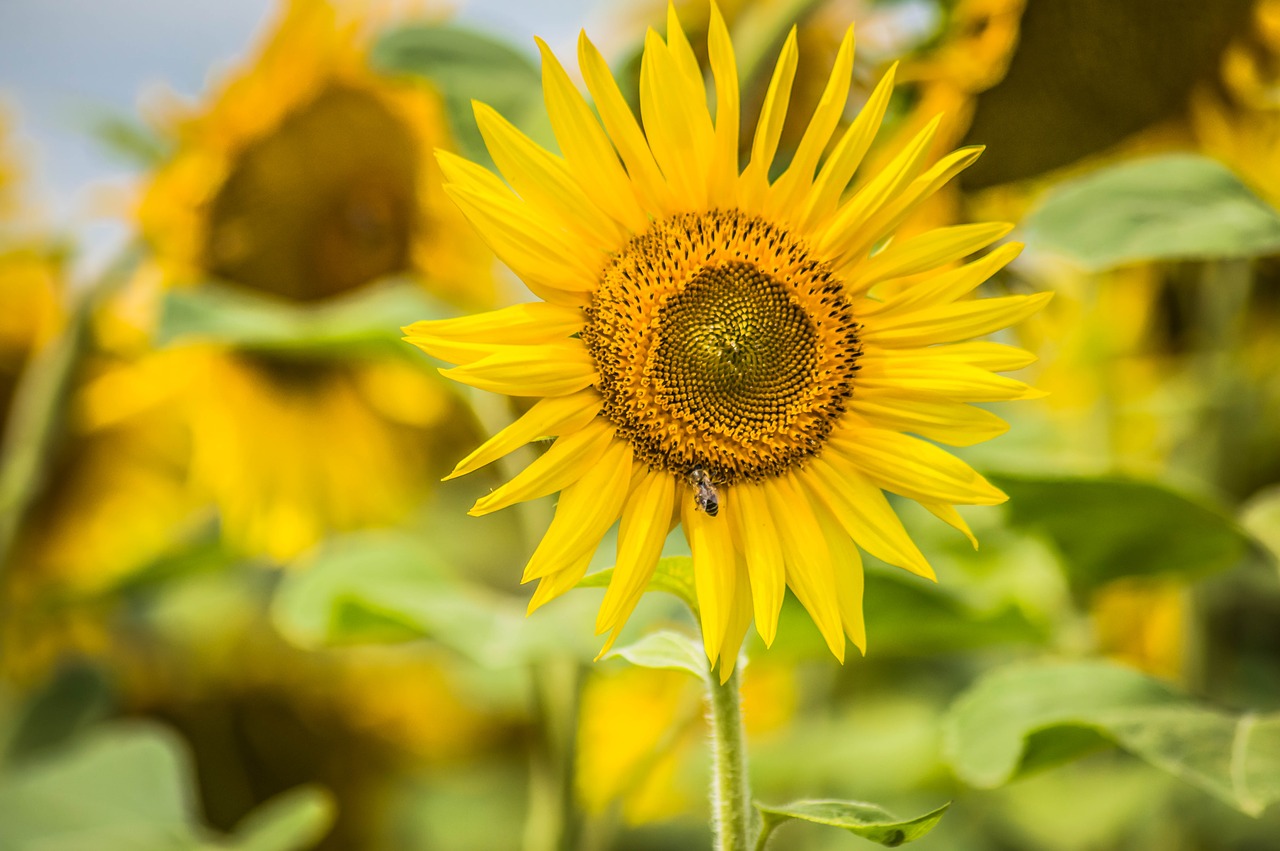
322	204
721	345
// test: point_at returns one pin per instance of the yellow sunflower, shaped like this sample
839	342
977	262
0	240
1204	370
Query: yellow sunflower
306	178
308	175
710	347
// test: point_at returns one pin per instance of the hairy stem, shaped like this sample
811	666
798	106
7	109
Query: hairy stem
730	790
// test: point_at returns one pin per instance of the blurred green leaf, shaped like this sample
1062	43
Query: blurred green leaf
130	139
866	820
129	788
232	316
665	649
908	615
76	696
673	574
1261	516
466	65
1177	206
292	820
389	587
1109	527
1024	717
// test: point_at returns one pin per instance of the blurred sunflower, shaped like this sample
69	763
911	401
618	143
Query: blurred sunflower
306	178
641	731
710	345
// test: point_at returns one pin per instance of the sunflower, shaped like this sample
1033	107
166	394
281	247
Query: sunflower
709	347
308	175
307	178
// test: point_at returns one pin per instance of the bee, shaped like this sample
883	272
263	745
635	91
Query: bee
705	496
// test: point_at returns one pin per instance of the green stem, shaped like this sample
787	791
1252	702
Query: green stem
730	788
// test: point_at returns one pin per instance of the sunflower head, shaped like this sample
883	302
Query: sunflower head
307	175
709	335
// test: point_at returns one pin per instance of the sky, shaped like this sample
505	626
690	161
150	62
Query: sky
63	62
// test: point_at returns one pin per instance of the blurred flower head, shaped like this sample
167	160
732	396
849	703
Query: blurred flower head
307	177
711	348
307	174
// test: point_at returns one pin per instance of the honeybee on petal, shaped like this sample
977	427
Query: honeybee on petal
705	495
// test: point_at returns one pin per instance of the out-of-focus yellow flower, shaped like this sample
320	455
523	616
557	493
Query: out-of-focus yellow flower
641	731
306	177
1238	122
31	311
286	448
1143	624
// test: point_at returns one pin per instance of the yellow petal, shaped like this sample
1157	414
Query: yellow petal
844	240
914	468
647	181
838	170
863	512
553	415
773	114
676	123
944	421
748	509
901	205
520	237
949	323
470	338
785	197
554	369
645	523
585	511
714	573
681	50
587	150
532	322
928	250
543	179
996	357
809	572
555	584
847	564
934	377
566	461
739	622
723	191
947	514
947	286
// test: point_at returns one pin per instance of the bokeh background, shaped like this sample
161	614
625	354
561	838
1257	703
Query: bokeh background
239	609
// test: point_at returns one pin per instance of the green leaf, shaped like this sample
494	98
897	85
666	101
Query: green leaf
866	820
130	788
291	821
381	587
1261	516
666	649
1109	527
129	139
229	315
907	615
76	696
466	65
1025	717
1178	206
674	575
